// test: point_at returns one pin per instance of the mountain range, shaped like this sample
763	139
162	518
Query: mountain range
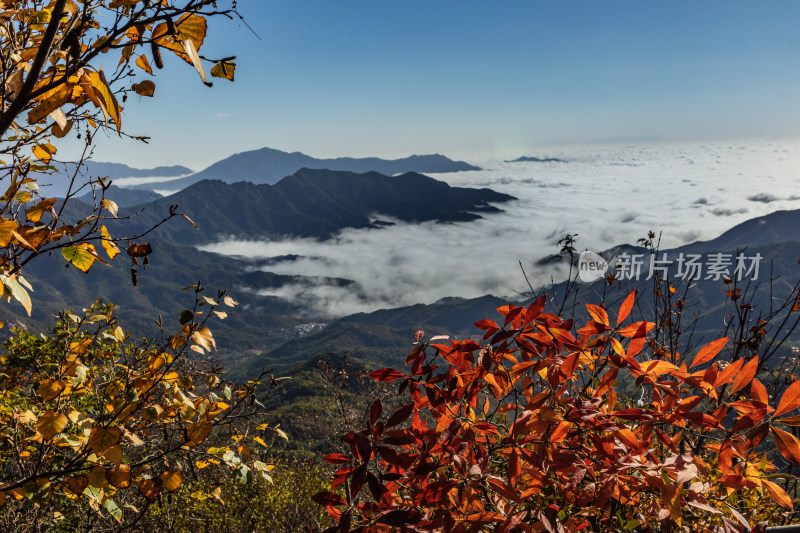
270	332
533	159
313	203
268	166
310	203
57	183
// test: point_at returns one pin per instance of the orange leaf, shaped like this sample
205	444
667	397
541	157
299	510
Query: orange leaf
790	399
598	314
625	308
729	373
709	351
759	392
637	329
787	444
746	375
778	494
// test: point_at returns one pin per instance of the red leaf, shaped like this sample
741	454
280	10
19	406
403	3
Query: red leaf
535	309
488	325
625	308
400	416
514	467
746	375
375	411
709	351
336	458
386	374
328	498
790	399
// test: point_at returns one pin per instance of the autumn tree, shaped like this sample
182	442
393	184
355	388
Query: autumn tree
51	86
97	424
549	424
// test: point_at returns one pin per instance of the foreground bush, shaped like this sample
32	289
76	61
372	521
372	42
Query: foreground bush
532	431
283	504
96	426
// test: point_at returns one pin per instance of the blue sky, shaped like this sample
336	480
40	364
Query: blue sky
471	79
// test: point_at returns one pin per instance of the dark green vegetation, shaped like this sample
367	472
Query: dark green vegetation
268	166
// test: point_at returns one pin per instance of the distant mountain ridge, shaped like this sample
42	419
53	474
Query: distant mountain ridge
118	170
314	203
123	196
57	186
527	159
268	166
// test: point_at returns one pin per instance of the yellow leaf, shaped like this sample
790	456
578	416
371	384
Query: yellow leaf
281	434
110	206
44	152
198	432
172	480
51	424
223	69
204	338
34	214
144	64
114	454
120	477
108	245
7	229
96	88
101	439
50	388
80	347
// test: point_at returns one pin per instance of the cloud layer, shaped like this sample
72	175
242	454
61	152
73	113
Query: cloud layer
608	195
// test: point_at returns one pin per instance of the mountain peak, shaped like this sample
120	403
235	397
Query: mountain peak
268	166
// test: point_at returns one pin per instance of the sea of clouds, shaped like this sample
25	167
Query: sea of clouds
607	194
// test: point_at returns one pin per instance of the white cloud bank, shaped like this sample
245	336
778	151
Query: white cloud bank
608	195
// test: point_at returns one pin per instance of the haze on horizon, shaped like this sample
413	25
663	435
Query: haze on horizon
473	80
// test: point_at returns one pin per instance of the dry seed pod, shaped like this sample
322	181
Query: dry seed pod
156	55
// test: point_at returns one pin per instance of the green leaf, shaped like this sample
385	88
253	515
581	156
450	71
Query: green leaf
37	491
113	509
186	317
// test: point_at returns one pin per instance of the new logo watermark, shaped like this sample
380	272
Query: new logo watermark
591	266
694	267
